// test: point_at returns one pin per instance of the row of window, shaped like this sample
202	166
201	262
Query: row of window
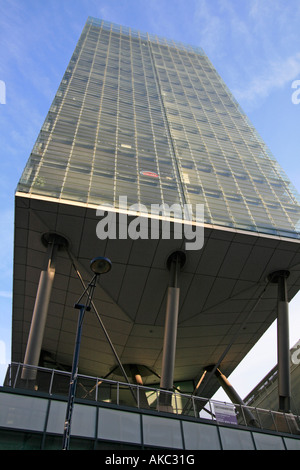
85	138
219	213
94	108
82	169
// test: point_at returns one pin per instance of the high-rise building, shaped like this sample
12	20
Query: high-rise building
141	133
151	119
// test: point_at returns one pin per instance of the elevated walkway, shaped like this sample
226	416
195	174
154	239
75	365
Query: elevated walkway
114	413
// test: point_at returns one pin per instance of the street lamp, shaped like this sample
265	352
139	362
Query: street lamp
99	266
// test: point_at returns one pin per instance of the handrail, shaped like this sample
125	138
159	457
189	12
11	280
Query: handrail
55	382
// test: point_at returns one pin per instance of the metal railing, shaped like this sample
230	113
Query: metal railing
56	383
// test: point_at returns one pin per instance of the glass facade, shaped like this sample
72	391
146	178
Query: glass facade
108	428
150	119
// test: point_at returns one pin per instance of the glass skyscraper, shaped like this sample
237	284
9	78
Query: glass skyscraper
148	119
140	116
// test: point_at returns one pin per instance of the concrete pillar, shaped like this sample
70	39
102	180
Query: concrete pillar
39	317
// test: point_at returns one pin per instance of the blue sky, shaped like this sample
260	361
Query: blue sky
254	45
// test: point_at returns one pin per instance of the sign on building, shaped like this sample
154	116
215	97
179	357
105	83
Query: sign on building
225	413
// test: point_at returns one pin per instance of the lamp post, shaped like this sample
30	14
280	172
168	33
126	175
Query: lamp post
99	266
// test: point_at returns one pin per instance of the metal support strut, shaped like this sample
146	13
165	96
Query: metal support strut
39	316
234	396
175	263
283	347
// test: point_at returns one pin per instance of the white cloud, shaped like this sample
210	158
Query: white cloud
254	45
6	294
275	75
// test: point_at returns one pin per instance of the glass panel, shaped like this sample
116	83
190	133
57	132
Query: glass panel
57	416
14	440
292	444
200	436
162	432
132	102
81	444
234	439
105	445
21	412
119	426
55	443
268	442
83	419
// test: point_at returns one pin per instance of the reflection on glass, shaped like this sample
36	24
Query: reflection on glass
131	106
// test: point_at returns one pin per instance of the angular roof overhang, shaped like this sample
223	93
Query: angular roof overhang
226	302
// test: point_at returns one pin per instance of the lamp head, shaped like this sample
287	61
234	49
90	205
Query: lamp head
100	265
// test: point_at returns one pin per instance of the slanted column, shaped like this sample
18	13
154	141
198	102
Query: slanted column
234	396
137	379
39	317
283	343
175	262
